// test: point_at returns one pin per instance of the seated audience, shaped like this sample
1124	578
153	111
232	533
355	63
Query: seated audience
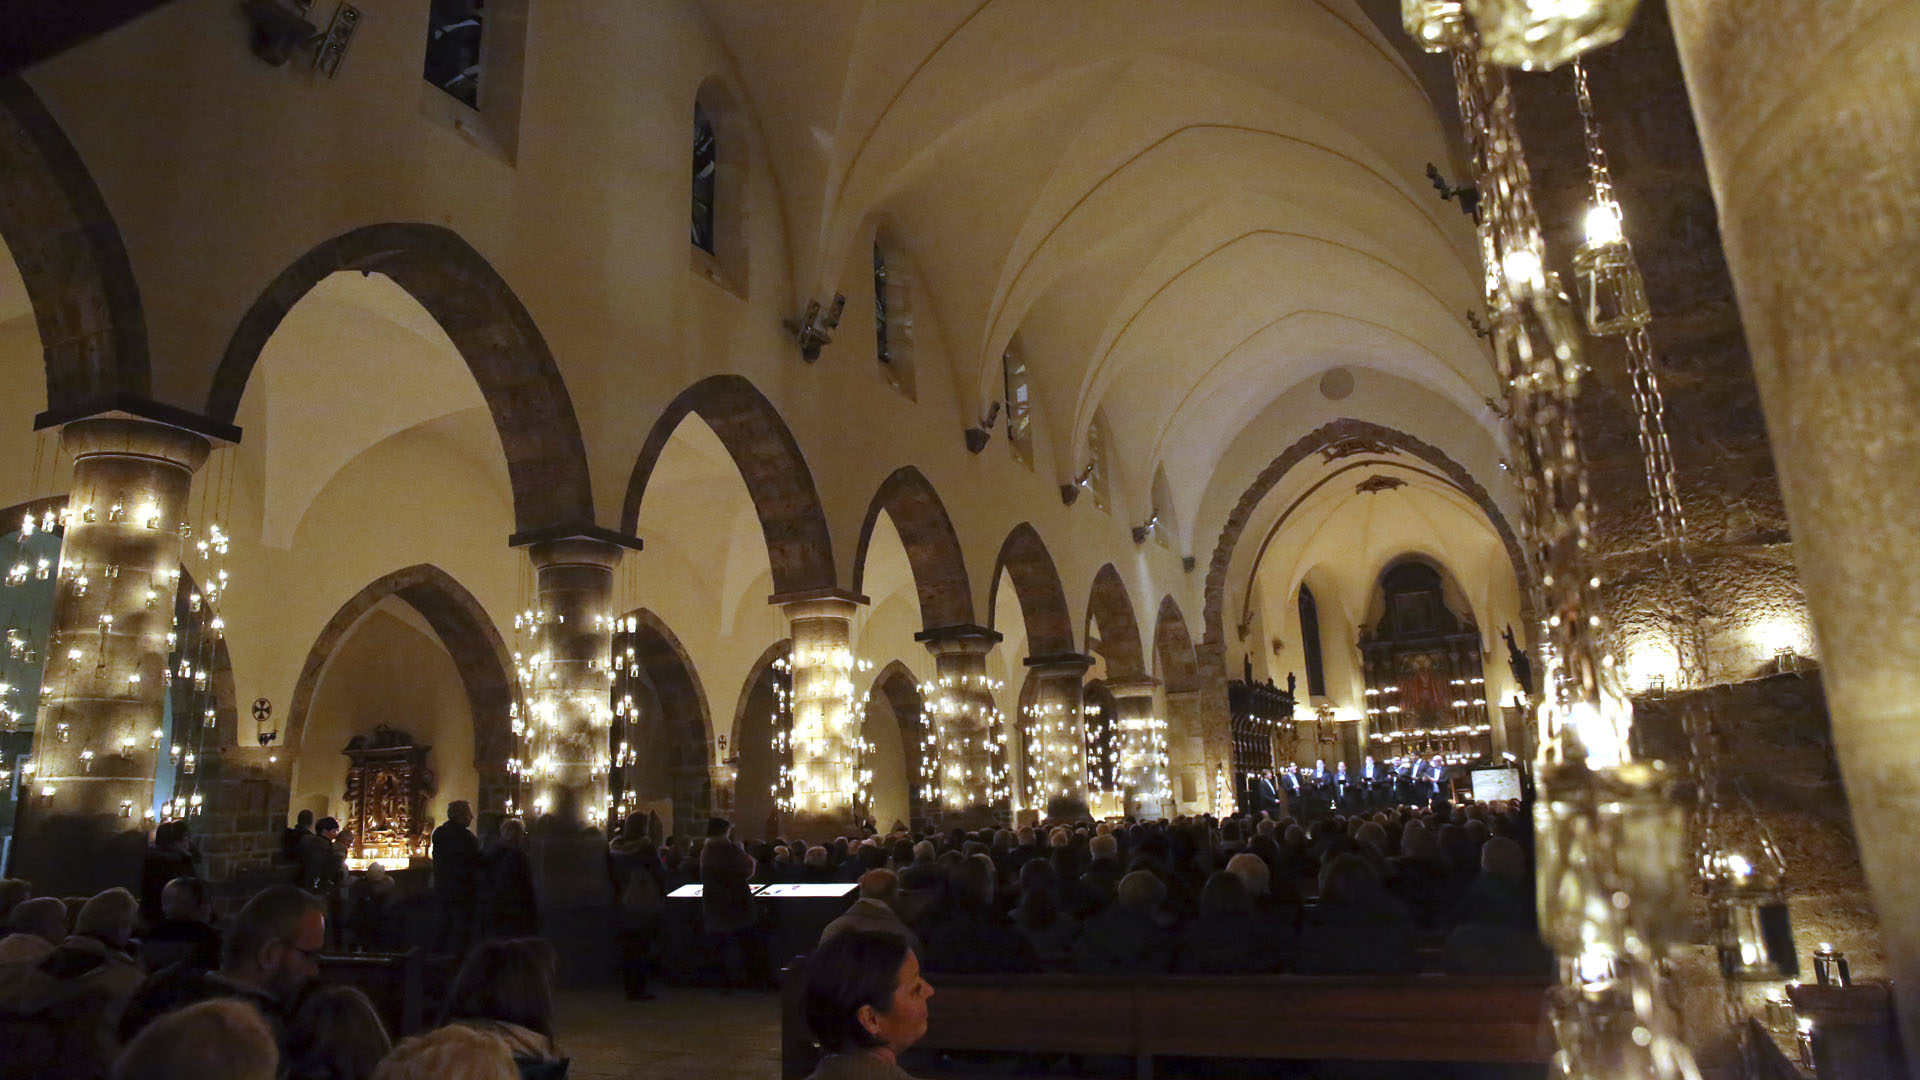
270	953
874	911
210	1040
13	892
1229	937
1127	938
866	1003
968	934
505	989
170	856
336	1035
34	928
1420	878
449	1053
1041	916
98	954
186	933
1357	929
1496	932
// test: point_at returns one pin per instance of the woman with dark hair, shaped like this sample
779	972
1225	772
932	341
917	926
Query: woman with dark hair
336	1035
866	1003
1040	917
505	989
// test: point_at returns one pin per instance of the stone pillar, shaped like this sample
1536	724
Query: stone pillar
1186	752
570	696
1215	712
1059	728
1143	746
969	788
1810	118
96	747
826	728
720	787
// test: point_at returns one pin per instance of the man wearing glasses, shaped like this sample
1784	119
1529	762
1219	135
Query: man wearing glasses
271	952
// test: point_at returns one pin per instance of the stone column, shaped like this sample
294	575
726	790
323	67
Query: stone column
96	745
720	787
570	696
1186	750
1810	118
826	728
1143	746
1059	727
968	789
1215	716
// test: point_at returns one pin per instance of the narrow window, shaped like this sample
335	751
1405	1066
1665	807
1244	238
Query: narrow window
705	175
880	344
1019	404
1310	643
453	48
1097	460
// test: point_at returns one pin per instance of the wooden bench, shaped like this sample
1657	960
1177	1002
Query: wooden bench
403	986
1452	1018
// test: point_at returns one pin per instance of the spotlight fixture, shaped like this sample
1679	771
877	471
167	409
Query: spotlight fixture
1145	528
1071	492
279	28
814	329
977	436
1468	194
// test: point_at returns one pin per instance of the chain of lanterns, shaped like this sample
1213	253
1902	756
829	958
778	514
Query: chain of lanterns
193	637
1143	758
1609	859
1056	761
824	759
963	744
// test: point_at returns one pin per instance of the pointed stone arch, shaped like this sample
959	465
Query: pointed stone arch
1174	661
897	684
1111	611
1322	438
752	803
491	329
683	703
1025	561
466	631
933	549
86	303
799	544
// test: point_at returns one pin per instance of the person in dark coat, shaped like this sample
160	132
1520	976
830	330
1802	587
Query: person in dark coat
186	934
726	903
508	908
971	936
456	877
1127	938
640	901
171	856
1228	937
1357	929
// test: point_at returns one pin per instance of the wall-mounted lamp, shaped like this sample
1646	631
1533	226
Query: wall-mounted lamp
1145	528
977	436
276	29
1070	492
1468	195
814	329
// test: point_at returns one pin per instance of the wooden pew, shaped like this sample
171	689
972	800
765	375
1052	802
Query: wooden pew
1460	1018
405	987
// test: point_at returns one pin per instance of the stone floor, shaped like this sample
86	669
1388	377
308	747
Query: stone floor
682	1033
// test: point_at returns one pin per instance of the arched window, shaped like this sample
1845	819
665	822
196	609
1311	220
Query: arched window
893	312
453	48
1013	366
880	348
705	180
1310	643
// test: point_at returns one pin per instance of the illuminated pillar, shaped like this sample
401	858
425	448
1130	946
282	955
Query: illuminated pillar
1143	746
569	676
1059	729
826	728
968	783
1806	114
97	743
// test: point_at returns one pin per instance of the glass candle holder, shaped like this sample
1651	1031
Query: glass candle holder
1612	292
1539	35
1435	25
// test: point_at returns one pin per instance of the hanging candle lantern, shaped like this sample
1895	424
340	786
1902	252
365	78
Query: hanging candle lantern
1539	35
1611	289
1747	902
1435	25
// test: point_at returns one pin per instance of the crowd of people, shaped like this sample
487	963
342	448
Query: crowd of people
154	985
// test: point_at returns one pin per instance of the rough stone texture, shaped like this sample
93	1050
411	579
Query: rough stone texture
933	549
86	305
676	685
1111	613
573	584
799	545
1776	744
1024	559
479	654
494	334
1735	516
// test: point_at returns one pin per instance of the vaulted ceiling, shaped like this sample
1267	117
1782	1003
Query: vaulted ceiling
1184	210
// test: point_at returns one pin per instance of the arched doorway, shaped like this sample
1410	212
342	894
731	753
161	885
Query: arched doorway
414	651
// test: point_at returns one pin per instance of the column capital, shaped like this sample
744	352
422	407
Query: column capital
1070	663
121	405
575	532
575	551
831	592
818	604
1132	688
119	435
959	632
